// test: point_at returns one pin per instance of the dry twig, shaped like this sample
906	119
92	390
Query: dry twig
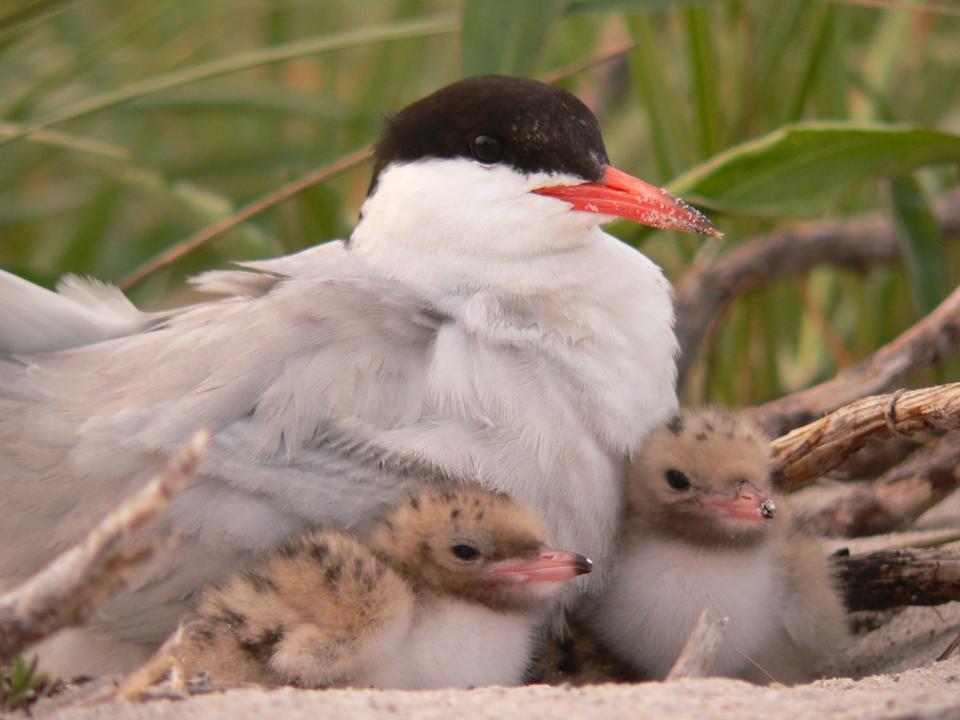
890	579
701	648
264	202
705	292
65	592
899	496
811	451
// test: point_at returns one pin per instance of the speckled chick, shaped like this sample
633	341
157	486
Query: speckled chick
447	590
702	530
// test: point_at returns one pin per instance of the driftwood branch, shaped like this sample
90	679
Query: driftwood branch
700	650
890	579
65	592
813	450
704	293
932	339
899	496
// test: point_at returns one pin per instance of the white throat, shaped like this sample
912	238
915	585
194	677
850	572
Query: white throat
456	226
649	627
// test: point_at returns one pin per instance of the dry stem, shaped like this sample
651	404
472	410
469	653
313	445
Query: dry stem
701	648
899	496
65	592
811	451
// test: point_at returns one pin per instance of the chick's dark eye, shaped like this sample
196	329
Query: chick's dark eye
465	552
677	480
486	148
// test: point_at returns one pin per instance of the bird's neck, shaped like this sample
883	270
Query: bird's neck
695	534
451	227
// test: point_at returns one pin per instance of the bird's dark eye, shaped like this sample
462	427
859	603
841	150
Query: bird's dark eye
677	480
486	148
465	552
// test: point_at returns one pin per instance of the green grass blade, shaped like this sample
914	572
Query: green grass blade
23	15
921	243
505	36
815	62
887	47
68	141
833	91
661	103
126	27
200	204
800	170
703	68
582	6
432	25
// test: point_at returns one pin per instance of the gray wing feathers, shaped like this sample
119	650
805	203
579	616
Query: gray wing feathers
269	373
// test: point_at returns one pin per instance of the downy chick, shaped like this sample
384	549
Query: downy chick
701	530
447	590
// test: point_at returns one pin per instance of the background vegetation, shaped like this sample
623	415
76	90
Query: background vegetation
129	125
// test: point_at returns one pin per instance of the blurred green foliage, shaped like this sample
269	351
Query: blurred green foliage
128	125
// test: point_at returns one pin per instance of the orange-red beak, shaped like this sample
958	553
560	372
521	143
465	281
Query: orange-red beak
747	504
549	566
628	197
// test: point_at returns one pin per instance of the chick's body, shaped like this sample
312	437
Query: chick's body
700	532
446	591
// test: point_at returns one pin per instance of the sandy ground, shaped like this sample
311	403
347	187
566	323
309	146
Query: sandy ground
931	692
889	671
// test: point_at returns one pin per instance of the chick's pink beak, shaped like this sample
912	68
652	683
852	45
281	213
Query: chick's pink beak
625	196
549	566
747	504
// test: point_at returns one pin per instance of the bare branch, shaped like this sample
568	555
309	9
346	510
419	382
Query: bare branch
811	451
705	292
576	68
65	592
264	202
701	648
899	496
890	579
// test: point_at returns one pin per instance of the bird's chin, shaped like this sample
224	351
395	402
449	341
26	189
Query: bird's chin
709	529
529	596
741	532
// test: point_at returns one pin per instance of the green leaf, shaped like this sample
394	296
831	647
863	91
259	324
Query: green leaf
801	169
431	25
921	243
505	36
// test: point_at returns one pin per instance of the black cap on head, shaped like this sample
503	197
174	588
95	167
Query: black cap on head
494	119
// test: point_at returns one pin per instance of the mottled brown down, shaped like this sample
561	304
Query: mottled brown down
320	610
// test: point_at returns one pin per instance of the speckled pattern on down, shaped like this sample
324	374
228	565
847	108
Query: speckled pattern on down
896	664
